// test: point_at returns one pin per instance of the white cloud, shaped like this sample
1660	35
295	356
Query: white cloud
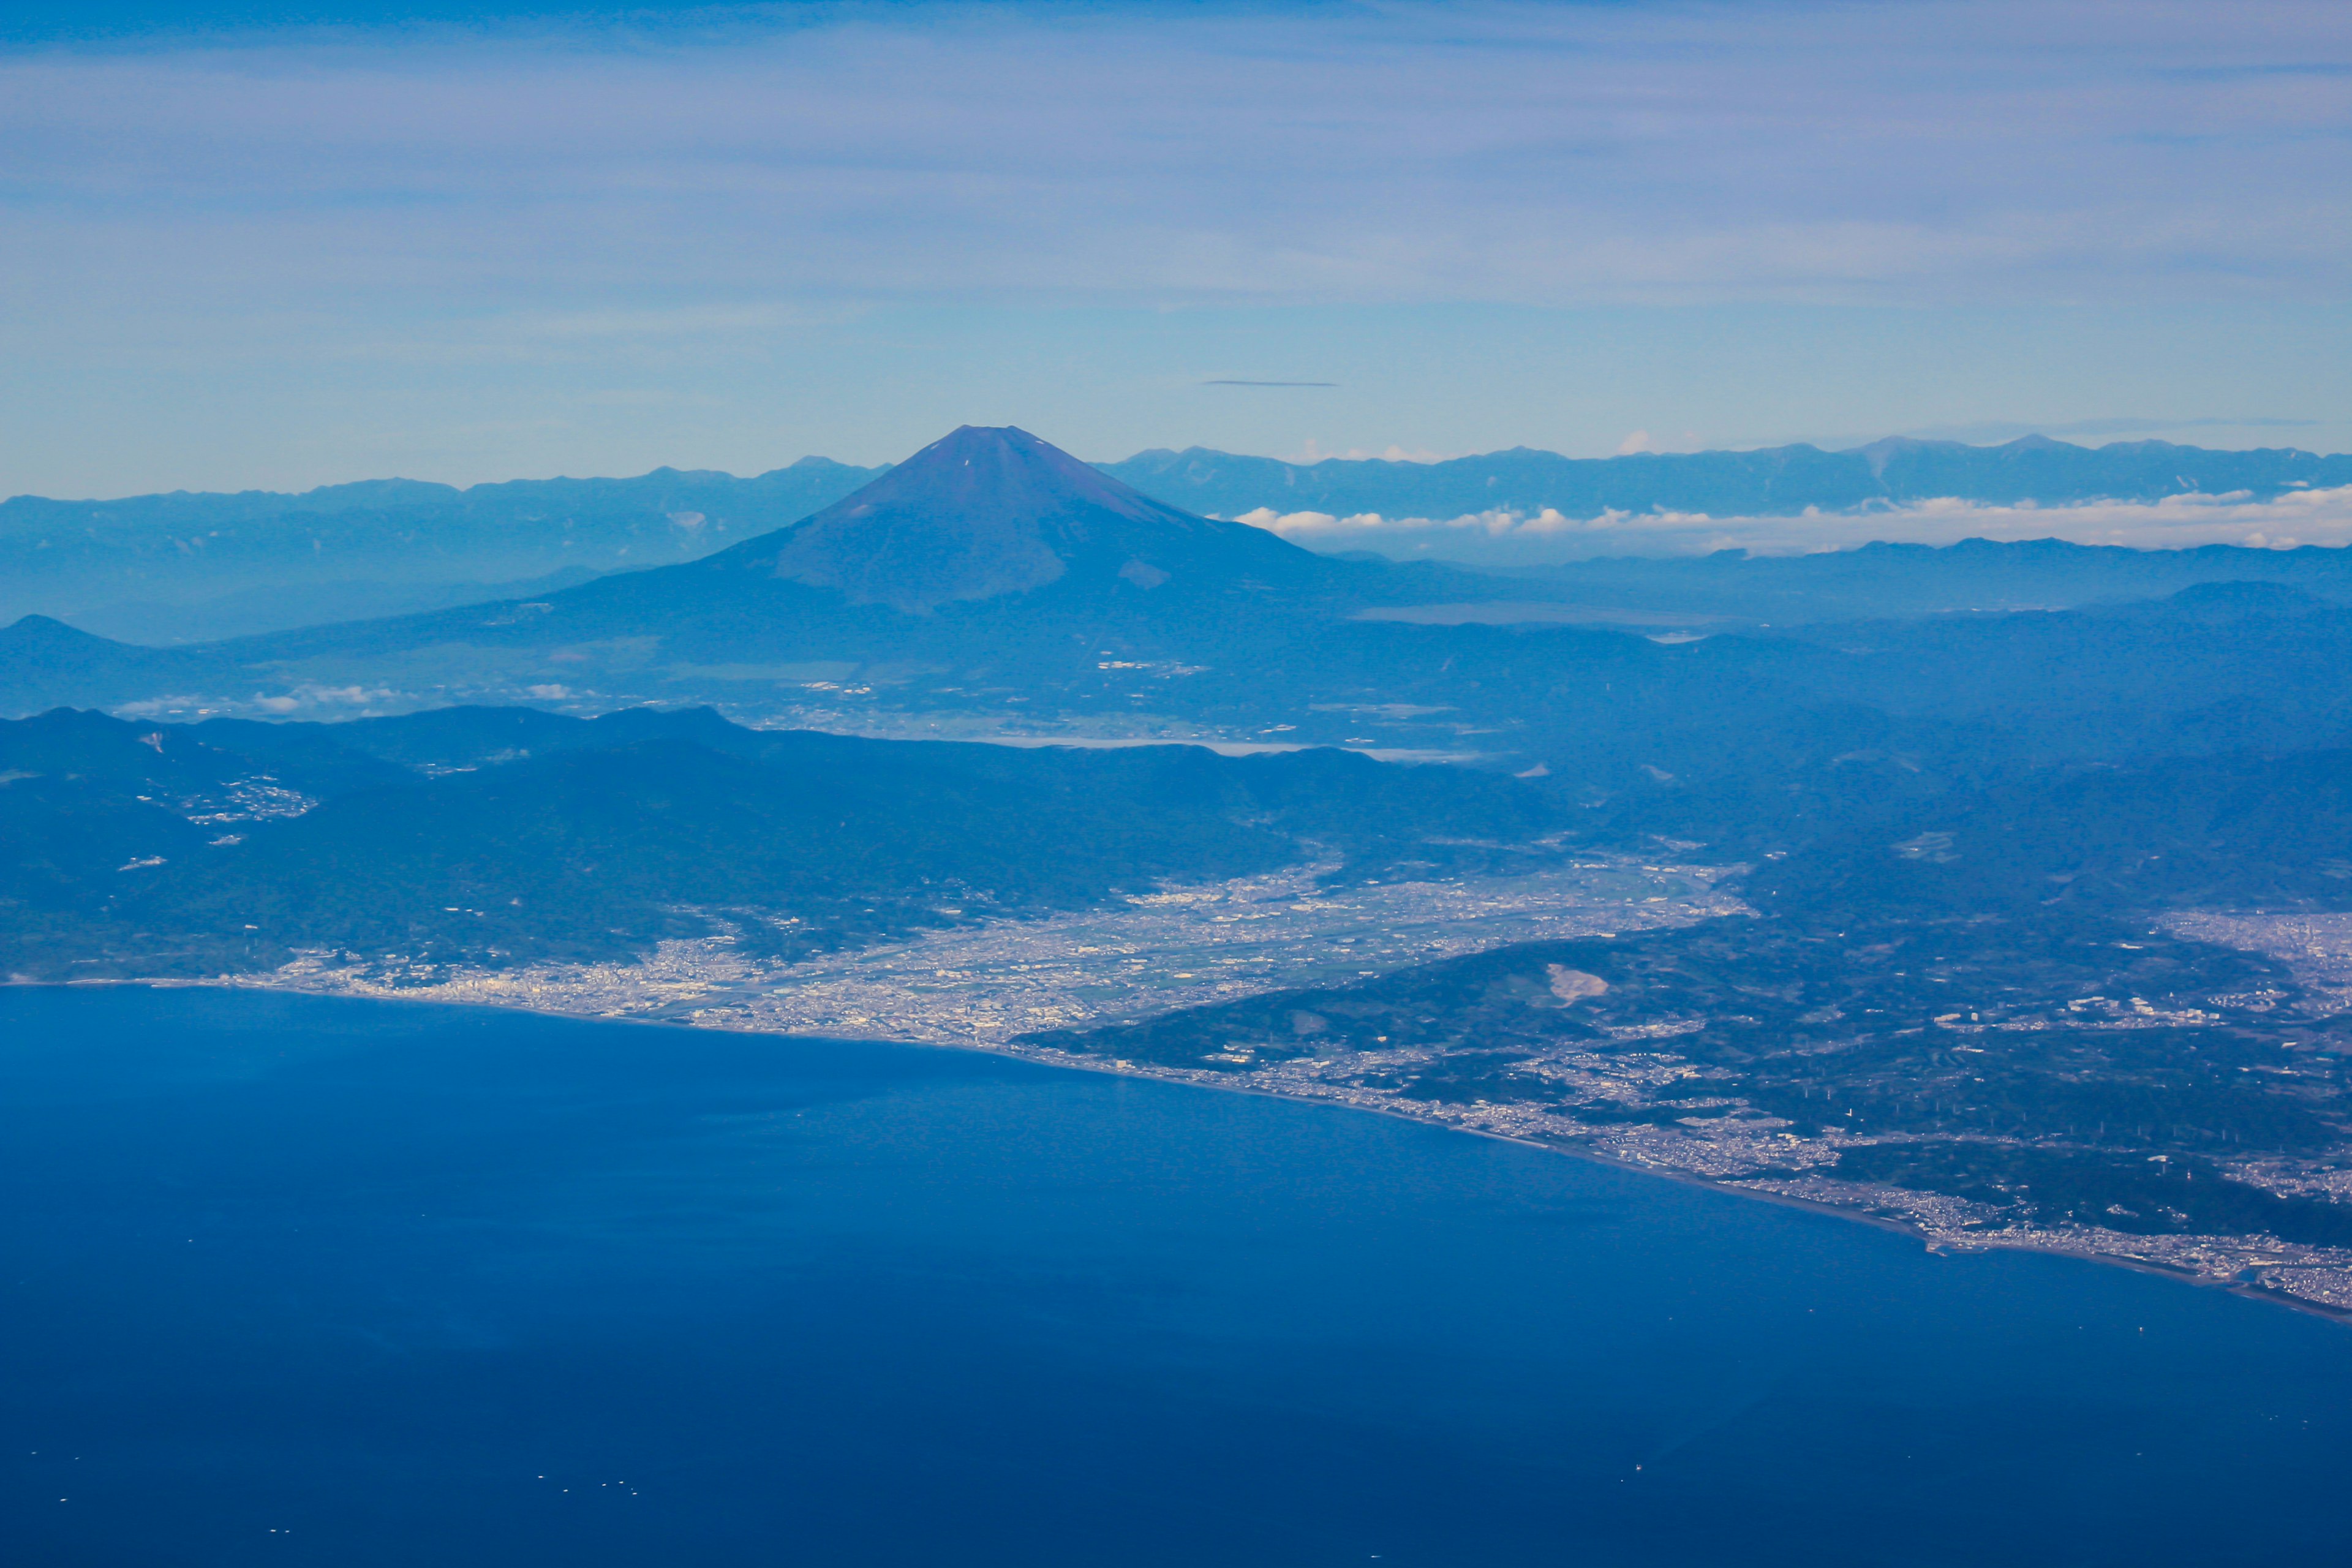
1642	441
2300	517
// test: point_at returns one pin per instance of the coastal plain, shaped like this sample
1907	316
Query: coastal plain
1453	1002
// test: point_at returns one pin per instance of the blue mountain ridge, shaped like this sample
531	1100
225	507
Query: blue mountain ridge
190	566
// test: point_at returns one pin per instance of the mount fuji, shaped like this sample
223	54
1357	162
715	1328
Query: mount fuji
985	513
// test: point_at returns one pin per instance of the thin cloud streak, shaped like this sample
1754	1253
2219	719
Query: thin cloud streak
1914	151
252	261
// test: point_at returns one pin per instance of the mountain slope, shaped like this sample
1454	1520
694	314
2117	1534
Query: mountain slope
983	514
988	549
44	662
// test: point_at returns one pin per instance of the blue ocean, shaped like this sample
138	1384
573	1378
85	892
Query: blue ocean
299	1280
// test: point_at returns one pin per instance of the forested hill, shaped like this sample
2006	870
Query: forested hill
508	833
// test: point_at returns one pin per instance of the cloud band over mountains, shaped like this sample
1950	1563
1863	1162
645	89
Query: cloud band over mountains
2321	517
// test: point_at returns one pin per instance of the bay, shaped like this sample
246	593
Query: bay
319	1281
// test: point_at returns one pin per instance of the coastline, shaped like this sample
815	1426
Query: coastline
1403	1111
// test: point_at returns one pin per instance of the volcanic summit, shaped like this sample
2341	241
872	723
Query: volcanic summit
988	511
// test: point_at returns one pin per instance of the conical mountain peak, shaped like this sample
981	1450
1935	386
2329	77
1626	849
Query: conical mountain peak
1002	468
987	511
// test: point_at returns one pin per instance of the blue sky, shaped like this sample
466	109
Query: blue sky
281	245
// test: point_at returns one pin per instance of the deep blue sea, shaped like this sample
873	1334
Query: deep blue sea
297	1280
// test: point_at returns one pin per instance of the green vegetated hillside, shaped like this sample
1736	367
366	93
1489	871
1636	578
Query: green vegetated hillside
491	834
2234	831
2002	1053
523	832
1971	976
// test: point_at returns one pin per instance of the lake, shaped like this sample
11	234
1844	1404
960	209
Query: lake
319	1281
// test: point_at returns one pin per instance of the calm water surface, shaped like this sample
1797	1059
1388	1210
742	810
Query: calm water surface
293	1281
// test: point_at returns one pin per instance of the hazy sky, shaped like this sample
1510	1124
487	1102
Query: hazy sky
282	244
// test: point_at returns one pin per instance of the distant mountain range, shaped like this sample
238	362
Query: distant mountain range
187	567
988	561
1775	480
995	579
